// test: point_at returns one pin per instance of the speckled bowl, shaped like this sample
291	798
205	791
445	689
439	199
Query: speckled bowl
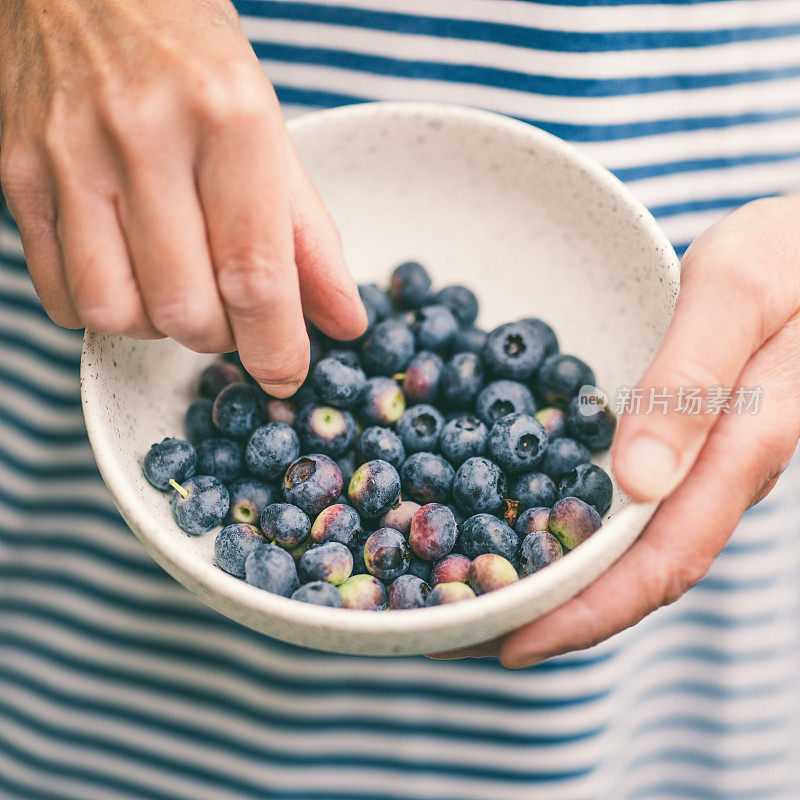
534	226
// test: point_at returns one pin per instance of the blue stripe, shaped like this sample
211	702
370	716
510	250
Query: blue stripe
63	434
66	398
39	471
671	790
70	363
697	206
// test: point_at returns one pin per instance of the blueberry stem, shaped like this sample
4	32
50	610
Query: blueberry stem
184	493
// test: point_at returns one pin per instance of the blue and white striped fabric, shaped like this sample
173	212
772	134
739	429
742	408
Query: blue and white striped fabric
116	684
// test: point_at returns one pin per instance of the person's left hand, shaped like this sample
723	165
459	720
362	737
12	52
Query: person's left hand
737	323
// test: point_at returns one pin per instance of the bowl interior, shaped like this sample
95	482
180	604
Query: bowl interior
510	211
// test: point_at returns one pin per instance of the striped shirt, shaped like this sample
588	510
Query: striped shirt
117	684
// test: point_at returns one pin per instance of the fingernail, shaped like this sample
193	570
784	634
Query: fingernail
650	467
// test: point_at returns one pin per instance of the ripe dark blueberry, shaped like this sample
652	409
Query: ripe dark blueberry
427	478
336	523
386	554
388	348
499	398
419	428
285	524
215	377
434	327
517	443
572	521
233	545
346	356
312	483
319	593
200	504
270	449
545	333
589	483
325	429
562	456
377	299
374	488
448	593
451	569
220	456
553	421
408	591
399	517
560	378
533	519
479	486
382	402
539	549
532	489
331	562
469	340
376	442
237	410
433	531
359	567
419	567
513	351
461	380
197	421
484	533
463	437
461	301
348	465
364	592
490	571
271	568
593	427
421	379
337	383
409	285
248	496
170	459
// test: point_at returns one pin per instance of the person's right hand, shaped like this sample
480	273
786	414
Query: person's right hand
144	157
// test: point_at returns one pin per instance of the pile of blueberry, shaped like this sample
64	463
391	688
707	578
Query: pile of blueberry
426	462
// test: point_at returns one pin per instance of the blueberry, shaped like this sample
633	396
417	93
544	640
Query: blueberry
451	569
312	483
374	488
408	591
215	377
377	299
409	285
336	523
248	496
331	562
427	478
220	456
319	593
448	593
533	519
462	303
490	571
386	554
419	428
281	411
399	517
376	442
517	443
503	397
325	429
591	484
299	550
382	402
433	531
545	334
200	504
359	567
484	533
348	463
285	524
560	378
233	545
461	380
513	351
419	567
421	379
562	456
346	356
479	486
337	383
434	327
532	490
469	340
572	521
237	410
197	421
463	437
593	426
388	348
553	421
170	459
271	568
365	592
539	549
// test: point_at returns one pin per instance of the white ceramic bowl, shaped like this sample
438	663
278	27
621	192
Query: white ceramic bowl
536	228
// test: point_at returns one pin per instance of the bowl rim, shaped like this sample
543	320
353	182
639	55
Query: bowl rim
184	565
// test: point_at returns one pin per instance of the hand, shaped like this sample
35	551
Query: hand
145	160
737	323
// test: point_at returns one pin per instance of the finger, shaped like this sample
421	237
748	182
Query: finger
690	527
489	649
330	295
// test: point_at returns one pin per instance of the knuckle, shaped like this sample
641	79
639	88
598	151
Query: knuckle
679	580
183	318
21	172
234	97
247	281
694	372
110	319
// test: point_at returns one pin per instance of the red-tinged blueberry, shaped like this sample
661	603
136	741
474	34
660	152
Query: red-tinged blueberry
200	503
319	593
419	428
562	456
408	591
337	382
170	459
503	397
589	483
215	377
399	517
375	298
463	437
220	456
374	488
409	285
461	301
517	443
312	483
462	379
533	519
539	549
364	592
325	429
421	378
382	402
427	478
283	411
285	524
380	443
237	410
270	450
386	554
388	348
479	486
248	496
513	351
545	334
469	340
560	378
553	421
433	531
485	533
420	568
331	562
233	544
593	426
572	521
451	569
197	421
271	568
444	593
433	326
337	523
489	571
532	489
